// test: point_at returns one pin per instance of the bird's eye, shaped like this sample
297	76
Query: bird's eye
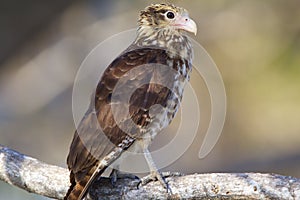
170	15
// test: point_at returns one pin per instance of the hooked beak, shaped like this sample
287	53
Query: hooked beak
183	22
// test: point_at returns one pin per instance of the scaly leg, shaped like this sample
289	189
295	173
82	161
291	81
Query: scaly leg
154	173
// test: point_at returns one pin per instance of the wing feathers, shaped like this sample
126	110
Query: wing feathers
99	140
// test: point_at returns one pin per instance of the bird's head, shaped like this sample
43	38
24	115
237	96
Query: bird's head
166	17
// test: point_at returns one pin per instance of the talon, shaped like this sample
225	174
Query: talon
156	176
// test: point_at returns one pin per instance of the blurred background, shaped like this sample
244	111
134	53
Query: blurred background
255	44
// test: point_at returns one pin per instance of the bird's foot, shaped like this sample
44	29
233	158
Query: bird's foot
157	176
116	174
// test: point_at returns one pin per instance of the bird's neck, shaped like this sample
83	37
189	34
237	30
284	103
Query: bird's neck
175	42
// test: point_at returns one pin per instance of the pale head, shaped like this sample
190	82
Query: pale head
166	16
164	26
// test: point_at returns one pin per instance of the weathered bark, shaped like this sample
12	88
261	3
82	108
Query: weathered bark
52	181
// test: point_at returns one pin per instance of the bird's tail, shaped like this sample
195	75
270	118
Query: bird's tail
78	189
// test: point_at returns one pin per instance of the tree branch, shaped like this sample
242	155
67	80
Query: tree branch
32	175
52	181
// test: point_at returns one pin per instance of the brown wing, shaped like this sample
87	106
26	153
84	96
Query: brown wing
100	139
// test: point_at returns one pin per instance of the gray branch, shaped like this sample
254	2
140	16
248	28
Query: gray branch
38	177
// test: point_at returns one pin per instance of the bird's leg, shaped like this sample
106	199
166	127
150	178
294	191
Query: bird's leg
154	173
113	176
116	174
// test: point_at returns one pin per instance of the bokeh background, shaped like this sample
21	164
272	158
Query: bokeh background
255	44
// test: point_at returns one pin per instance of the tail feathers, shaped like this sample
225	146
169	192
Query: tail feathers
75	189
75	193
78	189
73	183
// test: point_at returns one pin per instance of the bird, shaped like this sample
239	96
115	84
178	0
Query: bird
136	97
